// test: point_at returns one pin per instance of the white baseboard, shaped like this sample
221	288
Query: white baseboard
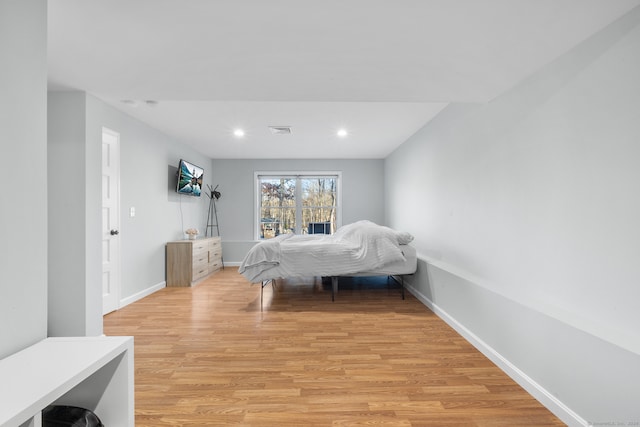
536	390
138	296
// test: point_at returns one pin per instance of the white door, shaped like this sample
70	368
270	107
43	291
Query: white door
110	220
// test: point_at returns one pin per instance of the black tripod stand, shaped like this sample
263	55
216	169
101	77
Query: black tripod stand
212	216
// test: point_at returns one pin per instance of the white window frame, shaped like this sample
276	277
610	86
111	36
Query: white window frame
294	174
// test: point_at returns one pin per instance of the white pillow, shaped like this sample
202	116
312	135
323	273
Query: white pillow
403	237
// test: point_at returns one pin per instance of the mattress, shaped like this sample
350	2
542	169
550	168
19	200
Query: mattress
406	266
359	249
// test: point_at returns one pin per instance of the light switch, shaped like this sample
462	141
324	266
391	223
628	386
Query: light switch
132	212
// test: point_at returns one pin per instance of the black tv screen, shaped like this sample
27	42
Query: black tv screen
189	179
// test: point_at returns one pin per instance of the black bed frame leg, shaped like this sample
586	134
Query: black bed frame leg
402	285
334	287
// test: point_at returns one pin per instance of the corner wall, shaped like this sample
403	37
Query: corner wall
148	164
526	221
23	150
71	278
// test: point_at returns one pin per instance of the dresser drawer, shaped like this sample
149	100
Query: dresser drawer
200	258
215	255
200	246
215	266
215	244
200	271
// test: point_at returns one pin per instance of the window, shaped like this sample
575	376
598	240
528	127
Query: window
300	203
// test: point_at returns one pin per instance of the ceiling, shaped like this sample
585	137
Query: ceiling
381	69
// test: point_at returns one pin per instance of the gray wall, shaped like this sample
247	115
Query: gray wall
148	165
362	195
525	212
23	152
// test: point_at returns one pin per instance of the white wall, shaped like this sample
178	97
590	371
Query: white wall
525	212
23	152
362	195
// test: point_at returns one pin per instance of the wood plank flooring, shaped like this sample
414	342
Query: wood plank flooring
211	356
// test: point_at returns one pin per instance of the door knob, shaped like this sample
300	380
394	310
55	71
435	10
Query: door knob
114	232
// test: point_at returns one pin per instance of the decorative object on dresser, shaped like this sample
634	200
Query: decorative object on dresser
192	233
189	261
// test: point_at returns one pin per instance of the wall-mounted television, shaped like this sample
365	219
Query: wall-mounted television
189	179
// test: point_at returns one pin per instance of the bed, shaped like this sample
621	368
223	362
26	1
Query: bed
362	248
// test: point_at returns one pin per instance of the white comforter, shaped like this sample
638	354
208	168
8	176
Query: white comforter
357	247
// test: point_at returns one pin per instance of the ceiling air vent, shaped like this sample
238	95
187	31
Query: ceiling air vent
280	130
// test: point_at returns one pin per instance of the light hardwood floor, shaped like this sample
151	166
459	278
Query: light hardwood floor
209	355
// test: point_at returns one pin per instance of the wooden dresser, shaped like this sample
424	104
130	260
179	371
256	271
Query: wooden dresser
189	261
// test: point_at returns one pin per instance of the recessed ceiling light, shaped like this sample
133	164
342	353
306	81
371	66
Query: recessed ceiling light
135	103
238	133
342	133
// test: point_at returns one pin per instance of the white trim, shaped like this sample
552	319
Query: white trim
138	296
233	264
552	403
